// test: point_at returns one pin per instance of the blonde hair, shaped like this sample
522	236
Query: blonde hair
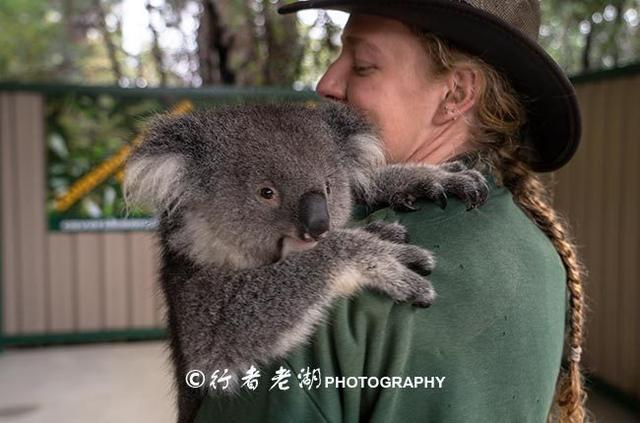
499	115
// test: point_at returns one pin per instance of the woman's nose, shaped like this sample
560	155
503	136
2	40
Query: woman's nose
332	85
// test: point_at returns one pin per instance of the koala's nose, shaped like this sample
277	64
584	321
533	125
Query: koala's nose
313	214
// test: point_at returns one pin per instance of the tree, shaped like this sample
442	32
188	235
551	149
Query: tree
245	42
584	35
29	46
214	44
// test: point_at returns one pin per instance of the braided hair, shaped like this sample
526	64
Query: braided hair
494	128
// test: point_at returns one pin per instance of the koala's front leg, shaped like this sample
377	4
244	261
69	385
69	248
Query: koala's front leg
268	311
401	185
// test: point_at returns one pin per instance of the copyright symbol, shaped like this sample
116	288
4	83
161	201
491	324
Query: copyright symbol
195	379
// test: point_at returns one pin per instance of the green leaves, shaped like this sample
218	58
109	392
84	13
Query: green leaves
588	35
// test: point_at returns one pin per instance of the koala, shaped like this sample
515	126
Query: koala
252	204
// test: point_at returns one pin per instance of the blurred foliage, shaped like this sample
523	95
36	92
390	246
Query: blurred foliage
209	42
584	35
82	132
30	40
168	43
245	42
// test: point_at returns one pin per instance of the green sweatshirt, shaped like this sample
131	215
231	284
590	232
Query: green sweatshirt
487	350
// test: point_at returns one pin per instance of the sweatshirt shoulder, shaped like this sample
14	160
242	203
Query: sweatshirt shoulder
497	230
488	260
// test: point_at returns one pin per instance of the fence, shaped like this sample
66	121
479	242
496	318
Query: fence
59	287
599	193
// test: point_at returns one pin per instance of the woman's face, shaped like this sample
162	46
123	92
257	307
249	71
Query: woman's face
384	71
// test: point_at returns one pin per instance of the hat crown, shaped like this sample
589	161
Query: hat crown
524	15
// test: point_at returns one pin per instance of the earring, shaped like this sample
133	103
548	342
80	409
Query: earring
450	110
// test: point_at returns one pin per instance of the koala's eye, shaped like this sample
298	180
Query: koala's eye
267	193
328	188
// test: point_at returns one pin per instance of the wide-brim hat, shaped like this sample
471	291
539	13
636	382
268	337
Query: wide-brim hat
504	34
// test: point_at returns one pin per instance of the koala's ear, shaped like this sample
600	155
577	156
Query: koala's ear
359	142
154	181
155	170
343	119
355	135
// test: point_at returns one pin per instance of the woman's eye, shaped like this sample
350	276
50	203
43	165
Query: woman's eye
363	70
267	193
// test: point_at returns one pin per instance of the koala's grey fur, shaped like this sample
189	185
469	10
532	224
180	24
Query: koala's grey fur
236	294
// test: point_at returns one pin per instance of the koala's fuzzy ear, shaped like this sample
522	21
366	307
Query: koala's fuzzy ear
154	181
358	140
155	170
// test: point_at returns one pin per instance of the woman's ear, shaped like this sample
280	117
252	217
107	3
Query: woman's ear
459	95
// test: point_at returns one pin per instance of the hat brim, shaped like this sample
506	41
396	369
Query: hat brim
553	115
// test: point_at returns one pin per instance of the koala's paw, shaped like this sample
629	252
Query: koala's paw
435	183
400	275
467	184
393	232
412	288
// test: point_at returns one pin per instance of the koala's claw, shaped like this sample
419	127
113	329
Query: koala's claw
403	201
417	259
409	287
442	200
435	183
398	269
421	304
469	186
425	296
478	197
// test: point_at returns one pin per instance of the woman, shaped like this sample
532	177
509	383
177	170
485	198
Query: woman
489	349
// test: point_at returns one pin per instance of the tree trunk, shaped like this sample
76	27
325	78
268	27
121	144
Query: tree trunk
156	52
106	35
214	47
283	47
586	51
67	67
619	25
